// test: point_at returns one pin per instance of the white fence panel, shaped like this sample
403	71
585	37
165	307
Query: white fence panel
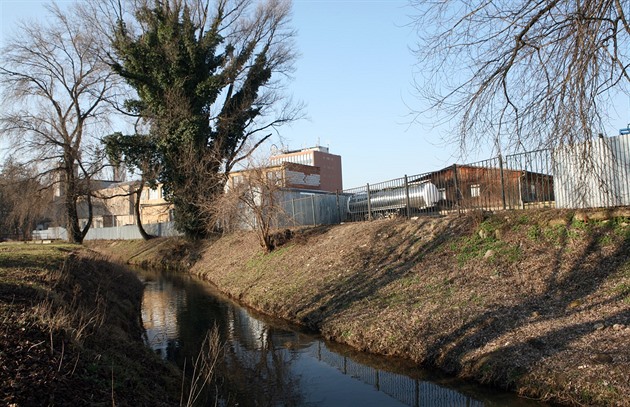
131	232
593	175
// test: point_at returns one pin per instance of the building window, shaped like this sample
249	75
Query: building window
237	179
442	194
154	194
475	190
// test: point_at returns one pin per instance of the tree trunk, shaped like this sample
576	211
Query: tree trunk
136	206
70	202
90	215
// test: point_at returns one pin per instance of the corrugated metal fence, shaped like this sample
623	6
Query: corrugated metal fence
127	232
594	174
131	232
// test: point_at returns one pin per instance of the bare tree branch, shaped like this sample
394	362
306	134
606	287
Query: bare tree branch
54	92
522	74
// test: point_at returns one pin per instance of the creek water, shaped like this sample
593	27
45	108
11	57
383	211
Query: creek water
270	363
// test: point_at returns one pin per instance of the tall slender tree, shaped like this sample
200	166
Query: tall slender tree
55	86
204	73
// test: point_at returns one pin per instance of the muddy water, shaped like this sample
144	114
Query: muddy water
268	363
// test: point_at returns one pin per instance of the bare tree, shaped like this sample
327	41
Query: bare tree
252	200
24	201
522	74
54	88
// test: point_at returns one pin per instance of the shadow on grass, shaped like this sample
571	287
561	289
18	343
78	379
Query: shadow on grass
390	264
571	279
564	291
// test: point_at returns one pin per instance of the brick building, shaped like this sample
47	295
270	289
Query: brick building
329	165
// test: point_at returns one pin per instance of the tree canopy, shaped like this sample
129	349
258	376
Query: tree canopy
523	74
203	73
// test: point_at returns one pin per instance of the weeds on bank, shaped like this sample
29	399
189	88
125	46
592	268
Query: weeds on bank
260	262
606	232
203	370
623	289
76	322
52	298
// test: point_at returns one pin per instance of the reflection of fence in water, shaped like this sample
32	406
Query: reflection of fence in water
412	392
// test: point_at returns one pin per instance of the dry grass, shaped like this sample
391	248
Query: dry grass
536	301
203	371
70	332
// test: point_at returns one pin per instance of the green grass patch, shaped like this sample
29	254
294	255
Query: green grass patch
555	234
622	290
621	227
475	247
440	291
580	225
34	256
261	260
534	233
605	240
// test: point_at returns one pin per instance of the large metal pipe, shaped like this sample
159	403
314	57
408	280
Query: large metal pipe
421	196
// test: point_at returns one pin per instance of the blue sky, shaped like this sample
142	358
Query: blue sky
355	76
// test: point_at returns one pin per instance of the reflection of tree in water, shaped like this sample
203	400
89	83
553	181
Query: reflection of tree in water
258	360
254	372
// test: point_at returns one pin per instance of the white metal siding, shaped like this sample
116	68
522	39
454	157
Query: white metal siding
593	175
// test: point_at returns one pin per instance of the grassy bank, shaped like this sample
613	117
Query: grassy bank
70	332
536	302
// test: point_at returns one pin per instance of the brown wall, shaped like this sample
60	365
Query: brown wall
330	171
482	187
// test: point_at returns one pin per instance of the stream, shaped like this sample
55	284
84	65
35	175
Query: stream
267	362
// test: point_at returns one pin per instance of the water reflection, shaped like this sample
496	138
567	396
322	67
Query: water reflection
267	363
160	305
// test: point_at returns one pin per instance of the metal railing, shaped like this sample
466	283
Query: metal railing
409	391
516	181
589	175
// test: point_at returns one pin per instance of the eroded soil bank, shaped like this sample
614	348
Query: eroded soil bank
536	301
71	333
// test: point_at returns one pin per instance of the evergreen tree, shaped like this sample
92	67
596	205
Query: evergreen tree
203	82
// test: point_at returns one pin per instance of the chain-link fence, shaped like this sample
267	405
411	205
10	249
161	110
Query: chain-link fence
309	208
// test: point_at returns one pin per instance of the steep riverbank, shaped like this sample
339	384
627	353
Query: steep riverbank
71	333
537	301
